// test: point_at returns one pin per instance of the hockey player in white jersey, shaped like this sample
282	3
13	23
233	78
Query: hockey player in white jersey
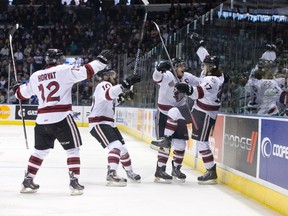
53	87
205	109
264	88
267	92
107	95
170	99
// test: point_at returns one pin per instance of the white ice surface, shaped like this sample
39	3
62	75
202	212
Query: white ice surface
146	198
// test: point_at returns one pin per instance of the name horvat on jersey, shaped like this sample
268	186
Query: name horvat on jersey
47	76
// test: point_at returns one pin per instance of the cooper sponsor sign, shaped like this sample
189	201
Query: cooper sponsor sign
29	112
274	152
240	144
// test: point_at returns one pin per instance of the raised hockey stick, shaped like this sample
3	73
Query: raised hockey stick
139	44
12	32
164	46
140	40
141	37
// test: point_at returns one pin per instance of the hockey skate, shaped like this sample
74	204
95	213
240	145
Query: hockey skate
28	185
161	176
163	144
133	177
75	187
209	177
114	180
177	175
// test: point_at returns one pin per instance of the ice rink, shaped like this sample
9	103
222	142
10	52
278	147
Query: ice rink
137	199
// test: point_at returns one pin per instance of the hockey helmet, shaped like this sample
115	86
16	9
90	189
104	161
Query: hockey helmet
54	57
211	63
177	61
211	60
107	74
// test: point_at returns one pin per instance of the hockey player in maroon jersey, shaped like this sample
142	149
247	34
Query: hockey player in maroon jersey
53	87
168	100
107	95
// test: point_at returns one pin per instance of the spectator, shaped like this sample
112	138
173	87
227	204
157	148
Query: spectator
4	52
18	57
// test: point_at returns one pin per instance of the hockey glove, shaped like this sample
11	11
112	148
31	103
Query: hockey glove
163	66
129	95
105	56
16	87
184	88
126	95
131	80
196	39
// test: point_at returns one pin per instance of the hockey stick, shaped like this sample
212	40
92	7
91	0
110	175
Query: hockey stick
140	40
139	44
167	53
12	32
141	37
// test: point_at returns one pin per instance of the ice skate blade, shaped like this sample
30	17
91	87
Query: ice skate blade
161	149
178	180
116	184
162	181
28	190
208	182
75	192
135	181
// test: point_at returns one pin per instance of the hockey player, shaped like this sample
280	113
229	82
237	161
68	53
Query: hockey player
169	99
265	89
53	87
107	95
266	92
205	109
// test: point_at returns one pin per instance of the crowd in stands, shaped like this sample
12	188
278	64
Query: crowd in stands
85	29
82	30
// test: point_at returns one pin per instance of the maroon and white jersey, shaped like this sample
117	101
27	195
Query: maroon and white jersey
207	95
104	101
53	88
167	97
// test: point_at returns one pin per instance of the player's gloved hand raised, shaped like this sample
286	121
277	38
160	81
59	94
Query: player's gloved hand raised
129	95
196	39
184	88
105	56
163	66
16	86
131	80
126	95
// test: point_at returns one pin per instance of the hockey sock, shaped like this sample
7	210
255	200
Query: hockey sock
162	158
114	158
178	157
170	127
126	161
73	161
74	165
34	165
207	158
